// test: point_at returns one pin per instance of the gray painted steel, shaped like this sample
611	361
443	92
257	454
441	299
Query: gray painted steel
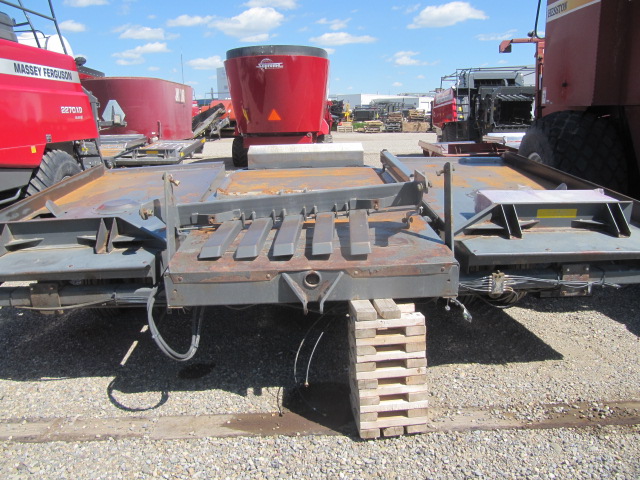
323	233
288	236
317	155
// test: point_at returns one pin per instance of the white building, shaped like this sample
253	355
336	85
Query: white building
408	101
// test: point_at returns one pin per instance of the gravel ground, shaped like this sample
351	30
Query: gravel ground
541	351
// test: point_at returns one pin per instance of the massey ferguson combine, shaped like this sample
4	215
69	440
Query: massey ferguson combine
54	112
47	120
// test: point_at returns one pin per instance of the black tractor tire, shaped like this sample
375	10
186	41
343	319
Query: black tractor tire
239	154
581	144
56	166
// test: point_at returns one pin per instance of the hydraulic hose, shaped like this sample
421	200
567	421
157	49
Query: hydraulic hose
196	325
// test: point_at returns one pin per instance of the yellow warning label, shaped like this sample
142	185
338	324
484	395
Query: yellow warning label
557	213
34	149
273	116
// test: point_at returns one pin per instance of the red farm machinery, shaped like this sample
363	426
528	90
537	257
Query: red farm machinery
279	95
47	119
58	117
588	101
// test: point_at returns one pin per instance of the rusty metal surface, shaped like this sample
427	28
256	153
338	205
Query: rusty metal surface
126	190
396	250
470	175
272	182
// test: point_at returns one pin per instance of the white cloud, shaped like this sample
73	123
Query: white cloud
497	37
283	4
336	24
85	3
135	56
153	69
406	58
210	63
341	38
446	15
72	26
138	32
188	21
396	84
252	25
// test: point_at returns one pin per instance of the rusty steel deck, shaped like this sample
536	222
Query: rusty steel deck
420	227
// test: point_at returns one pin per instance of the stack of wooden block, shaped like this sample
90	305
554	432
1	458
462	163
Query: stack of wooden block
345	127
373	126
416	115
387	368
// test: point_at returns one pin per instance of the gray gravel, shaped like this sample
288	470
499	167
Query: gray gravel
542	351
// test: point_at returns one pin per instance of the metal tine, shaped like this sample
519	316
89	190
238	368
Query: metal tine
323	234
254	238
288	235
220	240
359	242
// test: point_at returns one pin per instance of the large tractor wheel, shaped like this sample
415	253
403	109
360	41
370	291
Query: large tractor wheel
581	144
239	153
56	166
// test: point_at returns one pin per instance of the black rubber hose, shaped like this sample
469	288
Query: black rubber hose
196	325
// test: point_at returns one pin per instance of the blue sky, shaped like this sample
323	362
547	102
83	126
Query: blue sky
375	46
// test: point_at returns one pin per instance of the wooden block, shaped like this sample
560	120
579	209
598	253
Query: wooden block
395	354
418	396
410	409
393	421
364	367
407	307
407	320
365	384
365	332
416	330
392	337
419	392
419	428
415	362
362	310
416	380
393	431
369	433
409	376
417	412
411	347
387	308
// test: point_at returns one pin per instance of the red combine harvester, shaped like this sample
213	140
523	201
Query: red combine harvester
588	103
279	96
46	118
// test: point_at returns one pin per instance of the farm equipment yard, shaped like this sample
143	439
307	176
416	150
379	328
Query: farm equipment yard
541	364
454	279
